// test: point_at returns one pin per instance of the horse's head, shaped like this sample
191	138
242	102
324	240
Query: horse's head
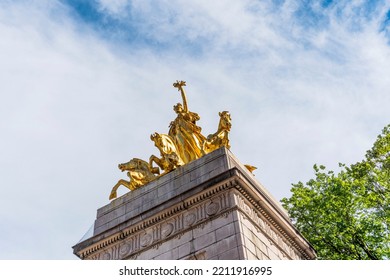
157	139
154	136
163	142
133	164
225	121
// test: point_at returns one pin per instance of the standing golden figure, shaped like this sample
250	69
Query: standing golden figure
183	144
184	131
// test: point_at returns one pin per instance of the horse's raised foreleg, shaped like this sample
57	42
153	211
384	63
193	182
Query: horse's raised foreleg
154	170
121	182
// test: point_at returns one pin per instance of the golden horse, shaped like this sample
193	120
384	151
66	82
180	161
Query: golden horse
221	137
170	158
138	172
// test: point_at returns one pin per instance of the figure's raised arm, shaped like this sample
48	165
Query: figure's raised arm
179	85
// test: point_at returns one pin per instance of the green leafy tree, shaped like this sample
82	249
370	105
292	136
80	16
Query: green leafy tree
347	215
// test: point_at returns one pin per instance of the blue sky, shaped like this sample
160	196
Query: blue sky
84	83
123	22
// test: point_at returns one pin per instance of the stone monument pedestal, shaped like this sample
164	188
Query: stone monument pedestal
211	208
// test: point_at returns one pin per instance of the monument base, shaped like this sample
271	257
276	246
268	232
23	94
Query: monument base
211	208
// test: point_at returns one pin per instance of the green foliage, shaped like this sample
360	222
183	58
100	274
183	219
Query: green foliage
347	215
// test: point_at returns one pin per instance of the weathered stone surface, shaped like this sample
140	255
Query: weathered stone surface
211	208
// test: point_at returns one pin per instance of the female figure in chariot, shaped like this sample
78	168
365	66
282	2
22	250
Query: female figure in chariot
184	131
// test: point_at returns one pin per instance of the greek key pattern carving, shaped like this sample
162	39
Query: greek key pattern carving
138	238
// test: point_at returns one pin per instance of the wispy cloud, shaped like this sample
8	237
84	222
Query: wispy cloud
84	83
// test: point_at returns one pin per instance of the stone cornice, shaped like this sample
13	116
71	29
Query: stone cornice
205	199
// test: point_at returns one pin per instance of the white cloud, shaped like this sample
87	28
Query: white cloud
113	7
73	105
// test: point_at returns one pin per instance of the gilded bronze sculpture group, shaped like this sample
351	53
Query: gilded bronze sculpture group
183	144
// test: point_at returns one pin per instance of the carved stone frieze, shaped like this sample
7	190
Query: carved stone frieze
106	256
146	240
190	219
167	229
212	208
124	249
156	230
